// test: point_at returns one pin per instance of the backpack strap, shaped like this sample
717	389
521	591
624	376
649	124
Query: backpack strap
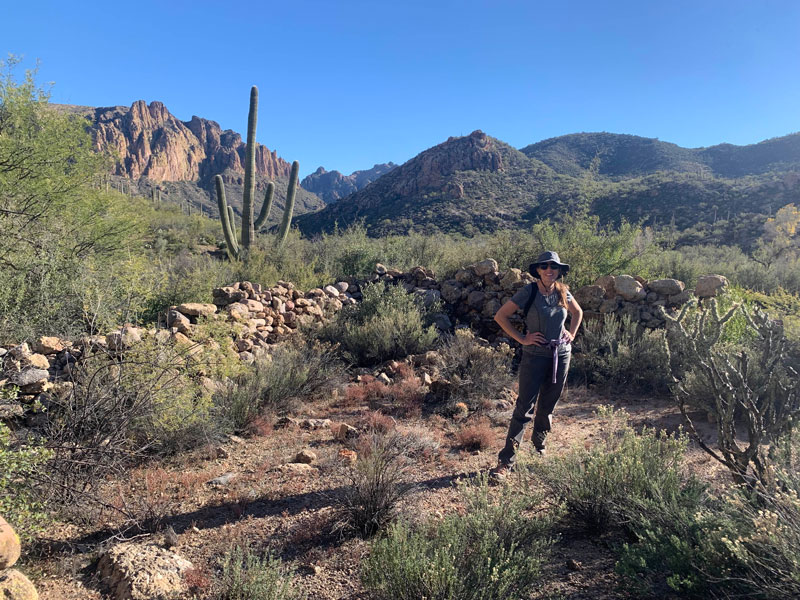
527	308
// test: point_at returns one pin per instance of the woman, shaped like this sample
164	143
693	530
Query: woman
546	351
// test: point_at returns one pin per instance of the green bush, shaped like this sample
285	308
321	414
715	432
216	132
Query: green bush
616	353
20	505
387	324
293	371
494	551
475	371
624	474
246	576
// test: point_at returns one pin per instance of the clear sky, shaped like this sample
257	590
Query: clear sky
348	83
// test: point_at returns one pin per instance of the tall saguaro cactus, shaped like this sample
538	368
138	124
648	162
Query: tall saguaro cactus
249	224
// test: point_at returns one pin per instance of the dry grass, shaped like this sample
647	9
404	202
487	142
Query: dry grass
478	435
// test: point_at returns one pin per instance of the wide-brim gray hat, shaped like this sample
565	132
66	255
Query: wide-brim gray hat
546	257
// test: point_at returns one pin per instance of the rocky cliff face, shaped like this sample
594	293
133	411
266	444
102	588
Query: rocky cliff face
333	185
149	141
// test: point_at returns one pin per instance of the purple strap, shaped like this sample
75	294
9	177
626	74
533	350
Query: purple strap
554	345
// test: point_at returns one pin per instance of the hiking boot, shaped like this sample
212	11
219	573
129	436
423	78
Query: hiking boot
499	473
539	438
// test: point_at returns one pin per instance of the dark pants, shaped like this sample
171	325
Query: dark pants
535	378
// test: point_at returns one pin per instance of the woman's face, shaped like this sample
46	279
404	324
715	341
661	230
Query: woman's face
548	272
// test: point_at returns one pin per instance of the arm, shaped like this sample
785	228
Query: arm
576	312
502	319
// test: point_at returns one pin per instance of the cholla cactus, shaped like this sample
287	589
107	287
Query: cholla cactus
754	385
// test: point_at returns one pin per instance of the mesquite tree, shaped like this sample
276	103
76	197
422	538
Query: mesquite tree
754	391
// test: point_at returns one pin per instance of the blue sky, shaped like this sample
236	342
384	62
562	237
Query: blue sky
346	84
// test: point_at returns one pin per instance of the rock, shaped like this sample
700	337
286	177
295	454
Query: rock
608	306
254	306
342	286
10	411
452	290
29	377
197	309
476	299
133	571
305	456
296	468
681	298
314	423
221	452
347	456
222	480
491	308
431	297
227	295
3	352
20	352
574	565
590	297
384	379
343	431
666	287
510	278
485	267
37	361
442	322
380	269
426	379
284	421
607	283
463	276
123	338
709	286
9	545
15	586
630	289
48	345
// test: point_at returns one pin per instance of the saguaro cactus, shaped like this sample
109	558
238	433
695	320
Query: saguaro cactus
249	225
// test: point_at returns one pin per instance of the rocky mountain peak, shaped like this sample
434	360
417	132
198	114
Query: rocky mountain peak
149	141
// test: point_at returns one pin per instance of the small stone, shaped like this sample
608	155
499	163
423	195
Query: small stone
384	378
197	309
574	565
380	269
296	468
709	286
284	421
347	456
305	456
331	291
315	423
20	352
222	480
426	379
485	267
342	286
11	411
37	361
343	431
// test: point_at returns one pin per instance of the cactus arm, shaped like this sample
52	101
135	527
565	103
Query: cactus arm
232	221
248	231
226	217
290	194
266	207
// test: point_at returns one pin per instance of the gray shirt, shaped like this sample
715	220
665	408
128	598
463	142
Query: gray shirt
545	316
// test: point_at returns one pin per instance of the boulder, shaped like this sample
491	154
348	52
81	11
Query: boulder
133	571
305	456
20	352
48	345
666	287
15	586
709	286
485	267
590	297
37	361
451	291
608	306
510	278
681	298
629	288
29	377
197	309
9	545
179	321
123	338
607	283
226	295
476	299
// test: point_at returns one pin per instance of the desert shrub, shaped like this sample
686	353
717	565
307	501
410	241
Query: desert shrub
474	370
119	408
377	484
494	550
750	387
403	396
625	473
387	324
475	436
616	353
20	504
293	371
246	576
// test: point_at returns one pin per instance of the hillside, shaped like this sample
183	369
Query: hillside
478	184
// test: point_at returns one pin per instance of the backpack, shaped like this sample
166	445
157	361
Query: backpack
527	308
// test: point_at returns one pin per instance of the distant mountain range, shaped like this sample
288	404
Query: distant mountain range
477	183
467	184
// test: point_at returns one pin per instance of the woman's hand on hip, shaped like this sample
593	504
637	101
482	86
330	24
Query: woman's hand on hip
533	339
568	336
